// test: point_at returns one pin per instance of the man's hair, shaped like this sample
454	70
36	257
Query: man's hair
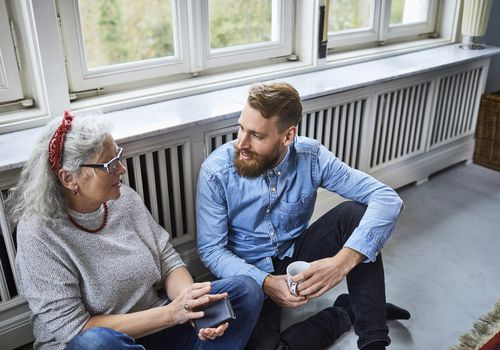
278	100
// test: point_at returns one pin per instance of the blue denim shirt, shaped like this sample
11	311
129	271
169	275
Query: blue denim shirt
243	223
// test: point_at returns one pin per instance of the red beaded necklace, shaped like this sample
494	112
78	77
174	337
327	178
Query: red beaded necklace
104	222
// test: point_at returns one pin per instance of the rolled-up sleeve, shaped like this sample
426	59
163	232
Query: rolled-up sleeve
383	203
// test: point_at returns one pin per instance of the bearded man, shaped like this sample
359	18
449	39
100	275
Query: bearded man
255	198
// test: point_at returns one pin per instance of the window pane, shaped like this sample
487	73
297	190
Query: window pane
349	15
240	22
409	11
121	31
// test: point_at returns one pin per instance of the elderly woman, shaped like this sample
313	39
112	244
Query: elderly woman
92	262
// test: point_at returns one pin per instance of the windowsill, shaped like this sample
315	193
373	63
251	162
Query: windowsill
169	116
375	53
213	82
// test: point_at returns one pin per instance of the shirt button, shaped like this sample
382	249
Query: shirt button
273	189
267	210
276	250
279	173
272	234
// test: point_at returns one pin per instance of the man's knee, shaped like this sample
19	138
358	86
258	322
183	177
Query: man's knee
351	209
102	338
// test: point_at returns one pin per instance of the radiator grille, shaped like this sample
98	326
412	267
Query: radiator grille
399	121
162	179
338	128
456	102
8	288
216	138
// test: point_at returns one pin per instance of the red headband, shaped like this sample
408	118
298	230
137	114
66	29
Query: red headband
56	143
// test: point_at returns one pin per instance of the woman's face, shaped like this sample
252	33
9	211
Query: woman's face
95	185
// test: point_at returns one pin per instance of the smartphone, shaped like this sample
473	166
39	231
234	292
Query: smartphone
215	314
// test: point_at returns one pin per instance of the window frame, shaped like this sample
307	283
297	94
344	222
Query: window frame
191	32
281	20
10	79
81	78
407	30
45	79
381	29
355	37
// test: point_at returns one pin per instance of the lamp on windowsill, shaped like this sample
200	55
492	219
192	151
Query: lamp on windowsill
474	22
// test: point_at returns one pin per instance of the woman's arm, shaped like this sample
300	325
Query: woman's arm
136	324
176	281
181	290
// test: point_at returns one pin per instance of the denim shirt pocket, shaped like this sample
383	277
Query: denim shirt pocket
296	214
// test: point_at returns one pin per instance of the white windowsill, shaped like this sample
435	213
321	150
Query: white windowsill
176	114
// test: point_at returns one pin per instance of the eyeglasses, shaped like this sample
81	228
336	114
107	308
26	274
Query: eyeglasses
109	166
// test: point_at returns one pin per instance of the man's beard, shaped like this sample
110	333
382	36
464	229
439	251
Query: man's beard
257	165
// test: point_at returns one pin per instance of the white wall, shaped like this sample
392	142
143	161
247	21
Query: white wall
492	37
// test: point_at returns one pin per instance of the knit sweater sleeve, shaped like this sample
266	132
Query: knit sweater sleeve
49	283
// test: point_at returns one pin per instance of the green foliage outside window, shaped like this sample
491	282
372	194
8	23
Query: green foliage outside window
239	22
120	31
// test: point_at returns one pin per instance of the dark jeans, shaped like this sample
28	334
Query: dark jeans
365	284
246	298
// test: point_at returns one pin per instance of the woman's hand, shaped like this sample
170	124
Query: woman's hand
182	308
189	305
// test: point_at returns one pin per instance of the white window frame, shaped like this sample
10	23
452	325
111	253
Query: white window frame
45	78
10	79
405	30
280	45
381	30
191	33
354	37
82	78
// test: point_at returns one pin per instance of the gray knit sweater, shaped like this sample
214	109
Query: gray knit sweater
68	275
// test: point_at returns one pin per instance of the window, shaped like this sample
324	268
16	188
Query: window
365	23
112	42
10	82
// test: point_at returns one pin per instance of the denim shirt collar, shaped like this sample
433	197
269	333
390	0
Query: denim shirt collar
281	167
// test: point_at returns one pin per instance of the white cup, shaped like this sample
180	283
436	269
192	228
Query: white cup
293	269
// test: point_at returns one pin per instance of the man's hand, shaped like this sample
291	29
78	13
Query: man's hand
326	273
276	288
212	333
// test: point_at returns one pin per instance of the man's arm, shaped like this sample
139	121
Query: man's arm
212	223
383	203
383	208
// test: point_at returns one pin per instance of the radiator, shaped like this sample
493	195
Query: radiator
8	283
338	127
162	178
458	98
399	123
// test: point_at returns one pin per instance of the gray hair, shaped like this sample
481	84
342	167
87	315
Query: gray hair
38	191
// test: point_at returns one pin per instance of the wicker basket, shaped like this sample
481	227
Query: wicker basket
487	150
